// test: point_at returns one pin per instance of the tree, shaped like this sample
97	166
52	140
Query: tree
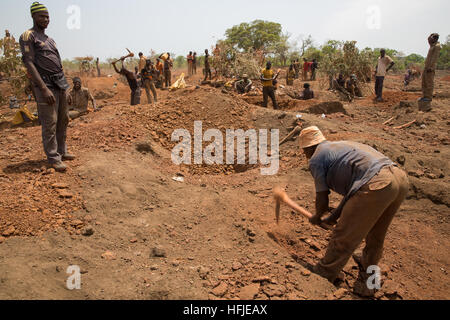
256	35
444	57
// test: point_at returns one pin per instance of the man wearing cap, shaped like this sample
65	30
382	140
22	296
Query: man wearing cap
373	188
244	85
351	86
430	67
80	100
50	87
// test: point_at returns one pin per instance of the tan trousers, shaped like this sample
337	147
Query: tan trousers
368	214
428	84
150	86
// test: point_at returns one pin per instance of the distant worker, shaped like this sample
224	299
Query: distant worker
148	74
80	100
305	69
244	85
194	63
208	65
385	63
373	188
97	65
314	67
189	63
290	76
160	73
339	86
297	68
50	87
307	92
168	65
430	68
9	44
352	87
132	82
268	78
142	61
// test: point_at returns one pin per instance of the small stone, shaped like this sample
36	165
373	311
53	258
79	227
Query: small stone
76	223
2	239
236	266
262	279
88	231
108	255
306	273
203	272
251	233
9	232
339	294
60	186
175	263
158	252
220	290
154	267
249	292
133	240
290	265
63	193
401	160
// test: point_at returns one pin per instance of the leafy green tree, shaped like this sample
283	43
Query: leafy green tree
444	58
256	35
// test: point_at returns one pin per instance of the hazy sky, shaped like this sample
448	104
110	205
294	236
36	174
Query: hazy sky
107	27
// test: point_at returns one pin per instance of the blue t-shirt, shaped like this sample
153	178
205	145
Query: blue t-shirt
345	166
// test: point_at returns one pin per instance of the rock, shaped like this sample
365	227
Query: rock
306	273
154	267
76	223
220	290
108	255
274	290
9	231
417	173
290	265
236	266
251	233
88	231
60	185
262	279
339	294
63	193
175	263
158	252
249	292
2	239
134	240
203	272
391	288
401	160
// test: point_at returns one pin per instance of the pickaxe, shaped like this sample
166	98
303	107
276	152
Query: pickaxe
130	55
282	197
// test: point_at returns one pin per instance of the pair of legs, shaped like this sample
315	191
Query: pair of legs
135	96
428	85
208	73
54	120
149	86
167	78
269	92
367	215
379	81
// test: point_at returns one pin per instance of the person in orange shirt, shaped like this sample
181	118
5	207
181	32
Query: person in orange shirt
160	69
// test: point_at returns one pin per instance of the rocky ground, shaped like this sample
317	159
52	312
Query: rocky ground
140	227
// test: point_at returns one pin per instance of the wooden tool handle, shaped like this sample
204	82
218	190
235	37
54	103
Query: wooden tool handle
282	197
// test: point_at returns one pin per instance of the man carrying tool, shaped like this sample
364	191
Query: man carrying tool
429	70
373	188
132	82
147	81
142	61
50	87
168	64
268	77
80	100
385	63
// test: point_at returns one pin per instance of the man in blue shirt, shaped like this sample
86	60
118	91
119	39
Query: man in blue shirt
373	188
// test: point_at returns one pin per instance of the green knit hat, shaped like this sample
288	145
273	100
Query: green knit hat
37	7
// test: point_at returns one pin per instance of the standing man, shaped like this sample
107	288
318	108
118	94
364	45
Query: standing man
160	72
207	66
50	87
168	64
97	64
132	82
373	188
147	81
194	63
268	77
80	100
305	69
430	68
9	44
189	62
142	61
314	67
385	63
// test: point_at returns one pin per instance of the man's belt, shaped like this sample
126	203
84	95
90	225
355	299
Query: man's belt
57	80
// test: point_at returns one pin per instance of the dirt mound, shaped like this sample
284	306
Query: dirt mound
104	94
327	108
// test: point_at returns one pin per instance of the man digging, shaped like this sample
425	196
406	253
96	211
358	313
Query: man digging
373	188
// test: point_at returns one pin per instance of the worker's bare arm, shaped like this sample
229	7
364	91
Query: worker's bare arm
322	206
36	78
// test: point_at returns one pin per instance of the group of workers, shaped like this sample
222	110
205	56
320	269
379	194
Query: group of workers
373	187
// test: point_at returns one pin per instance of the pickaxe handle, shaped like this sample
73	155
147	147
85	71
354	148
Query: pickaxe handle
282	197
130	55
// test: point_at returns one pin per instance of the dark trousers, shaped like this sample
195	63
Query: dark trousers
168	78
379	87
135	96
54	120
208	72
269	92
